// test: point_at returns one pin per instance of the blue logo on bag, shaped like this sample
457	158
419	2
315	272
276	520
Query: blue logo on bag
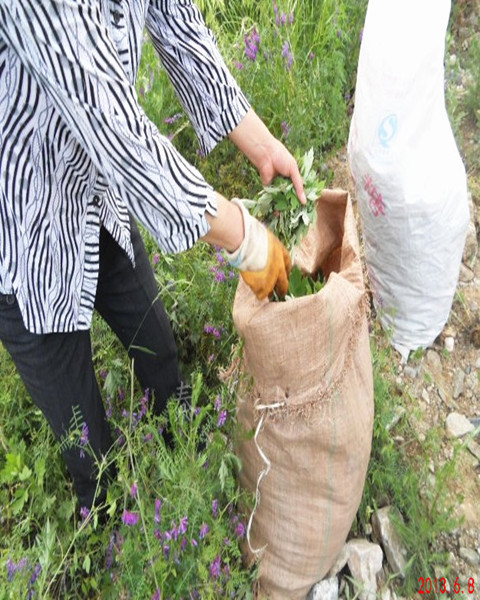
387	130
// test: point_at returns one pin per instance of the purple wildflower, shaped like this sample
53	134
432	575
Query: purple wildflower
220	276
166	551
210	329
83	439
156	258
215	568
157	595
285	128
134	490
218	403
11	569
174	531
239	65
222	418
183	526
204	529
240	530
172	119
287	54
252	43
36	573
84	513
130	518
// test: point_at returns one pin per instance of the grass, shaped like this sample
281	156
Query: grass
175	527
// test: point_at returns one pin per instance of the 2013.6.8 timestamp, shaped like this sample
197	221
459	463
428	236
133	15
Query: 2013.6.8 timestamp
427	585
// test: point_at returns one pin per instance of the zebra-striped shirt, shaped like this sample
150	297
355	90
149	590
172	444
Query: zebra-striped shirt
77	151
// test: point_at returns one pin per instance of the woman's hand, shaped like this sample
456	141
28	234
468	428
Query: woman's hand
266	152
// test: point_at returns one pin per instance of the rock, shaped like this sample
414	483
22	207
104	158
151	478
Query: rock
327	589
470	556
458	383
475	337
365	562
457	425
398	414
425	396
387	594
411	372
474	449
434	361
384	529
466	274
449	343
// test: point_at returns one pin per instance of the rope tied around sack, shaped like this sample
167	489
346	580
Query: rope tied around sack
264	472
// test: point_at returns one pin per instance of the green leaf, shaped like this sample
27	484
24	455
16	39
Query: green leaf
86	563
307	163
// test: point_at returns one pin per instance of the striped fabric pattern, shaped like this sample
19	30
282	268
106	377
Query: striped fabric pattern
77	150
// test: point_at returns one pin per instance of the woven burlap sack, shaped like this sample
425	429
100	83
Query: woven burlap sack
305	410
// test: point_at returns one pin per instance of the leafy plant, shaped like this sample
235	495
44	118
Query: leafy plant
303	285
279	208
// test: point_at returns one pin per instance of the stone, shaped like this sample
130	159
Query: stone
457	425
365	562
449	343
458	383
384	529
466	274
327	589
434	361
470	556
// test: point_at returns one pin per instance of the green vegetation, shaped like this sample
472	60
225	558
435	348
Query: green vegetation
175	529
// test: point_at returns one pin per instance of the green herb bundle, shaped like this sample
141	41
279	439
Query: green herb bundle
278	207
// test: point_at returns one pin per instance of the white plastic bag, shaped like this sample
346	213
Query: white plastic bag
410	180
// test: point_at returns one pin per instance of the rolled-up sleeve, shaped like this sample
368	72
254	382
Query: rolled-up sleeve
67	49
204	85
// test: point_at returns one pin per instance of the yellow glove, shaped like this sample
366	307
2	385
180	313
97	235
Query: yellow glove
263	260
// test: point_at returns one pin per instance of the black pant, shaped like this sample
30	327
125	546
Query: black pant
57	368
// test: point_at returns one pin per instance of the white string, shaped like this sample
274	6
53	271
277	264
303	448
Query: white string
262	473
